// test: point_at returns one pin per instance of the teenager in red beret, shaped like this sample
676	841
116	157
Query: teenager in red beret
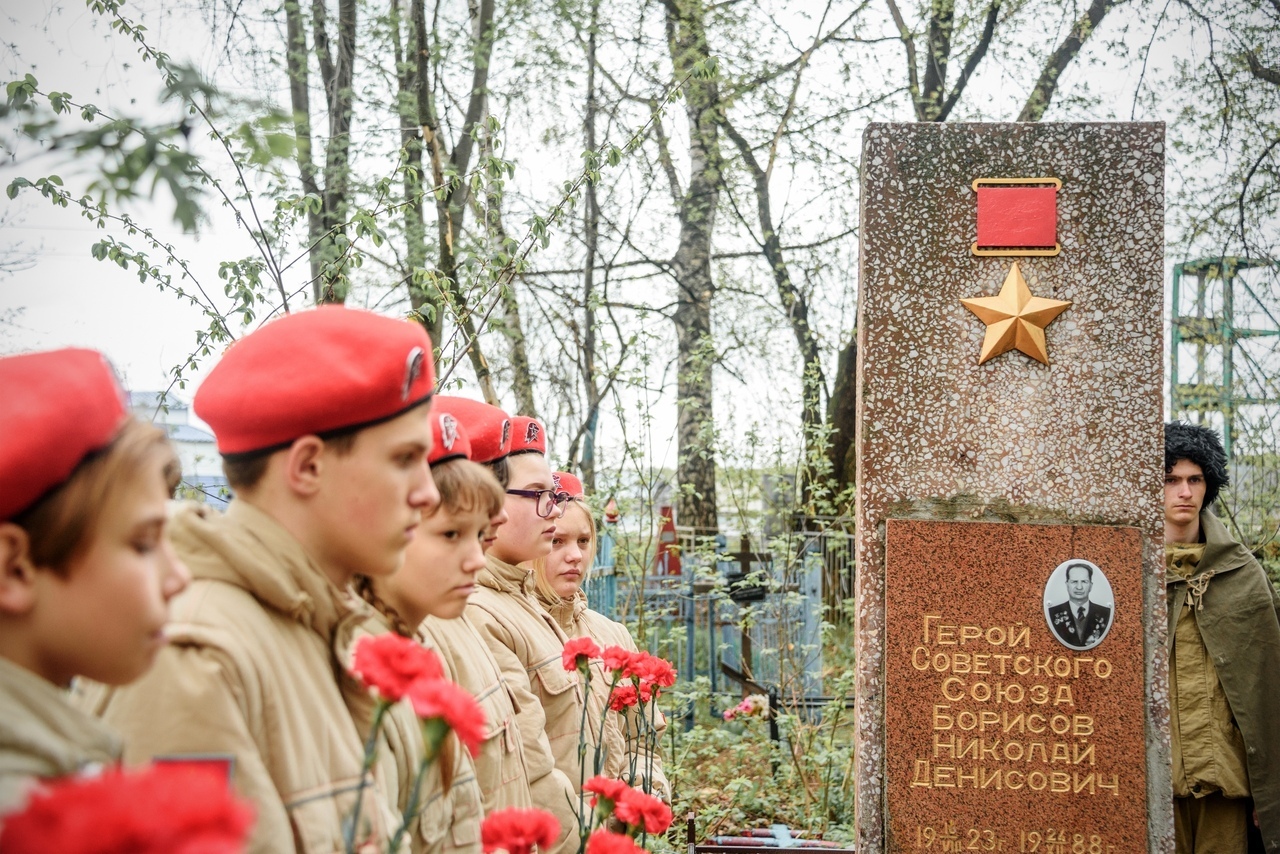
437	578
322	418
489	431
524	639
86	571
559	580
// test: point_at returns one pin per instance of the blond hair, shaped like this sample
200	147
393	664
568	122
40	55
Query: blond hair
588	560
61	526
466	486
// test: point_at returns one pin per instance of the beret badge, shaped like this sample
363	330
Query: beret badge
448	431
412	370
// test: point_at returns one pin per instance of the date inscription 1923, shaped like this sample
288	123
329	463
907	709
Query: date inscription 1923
951	836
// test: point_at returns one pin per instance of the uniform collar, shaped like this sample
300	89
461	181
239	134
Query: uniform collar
249	549
506	577
1221	551
44	735
564	611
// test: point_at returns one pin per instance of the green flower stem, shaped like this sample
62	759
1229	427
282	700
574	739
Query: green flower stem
585	670
651	742
434	732
370	750
604	716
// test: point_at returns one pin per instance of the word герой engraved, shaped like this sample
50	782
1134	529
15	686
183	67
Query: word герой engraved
1005	719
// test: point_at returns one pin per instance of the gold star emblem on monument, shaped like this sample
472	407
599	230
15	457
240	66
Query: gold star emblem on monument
1015	319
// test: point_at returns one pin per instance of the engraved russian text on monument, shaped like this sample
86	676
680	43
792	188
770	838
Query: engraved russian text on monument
1001	736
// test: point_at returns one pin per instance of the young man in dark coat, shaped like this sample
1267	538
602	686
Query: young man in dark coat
1224	661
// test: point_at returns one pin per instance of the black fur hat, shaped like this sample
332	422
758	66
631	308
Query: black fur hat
1201	446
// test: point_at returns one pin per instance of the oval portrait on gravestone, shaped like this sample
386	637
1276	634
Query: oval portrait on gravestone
1078	604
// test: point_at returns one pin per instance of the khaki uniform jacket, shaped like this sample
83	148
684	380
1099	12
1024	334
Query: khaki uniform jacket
620	757
250	674
446	821
1239	622
44	736
499	768
528	646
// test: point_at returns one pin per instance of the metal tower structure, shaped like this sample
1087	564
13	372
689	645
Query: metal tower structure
1211	328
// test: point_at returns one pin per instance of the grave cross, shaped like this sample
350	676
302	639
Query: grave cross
741	590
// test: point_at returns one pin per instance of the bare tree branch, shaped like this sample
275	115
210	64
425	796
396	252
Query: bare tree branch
975	57
908	41
1260	71
1042	93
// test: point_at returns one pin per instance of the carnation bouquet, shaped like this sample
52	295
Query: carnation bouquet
397	669
636	679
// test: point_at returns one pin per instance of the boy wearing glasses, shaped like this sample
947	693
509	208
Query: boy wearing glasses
523	638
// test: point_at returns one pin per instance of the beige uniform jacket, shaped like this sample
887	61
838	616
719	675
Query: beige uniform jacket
42	735
445	821
624	759
467	660
528	646
250	674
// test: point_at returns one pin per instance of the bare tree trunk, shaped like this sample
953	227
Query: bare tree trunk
415	102
931	100
451	205
792	299
695	421
937	55
338	76
297	60
510	324
591	236
411	56
842	416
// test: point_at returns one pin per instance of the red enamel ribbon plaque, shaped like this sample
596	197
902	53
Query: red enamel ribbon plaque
1017	216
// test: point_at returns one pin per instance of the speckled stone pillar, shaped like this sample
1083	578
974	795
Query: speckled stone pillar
1054	462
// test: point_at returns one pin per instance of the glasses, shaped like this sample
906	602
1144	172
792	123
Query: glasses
545	500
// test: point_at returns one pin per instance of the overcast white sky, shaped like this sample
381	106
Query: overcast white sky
68	298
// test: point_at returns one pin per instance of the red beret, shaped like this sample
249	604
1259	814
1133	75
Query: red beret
448	439
527	436
488	427
565	482
56	408
315	371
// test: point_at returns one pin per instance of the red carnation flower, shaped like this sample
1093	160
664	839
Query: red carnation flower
604	842
605	788
623	697
578	652
638	666
389	664
617	659
660	672
442	700
162	809
642	812
518	831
